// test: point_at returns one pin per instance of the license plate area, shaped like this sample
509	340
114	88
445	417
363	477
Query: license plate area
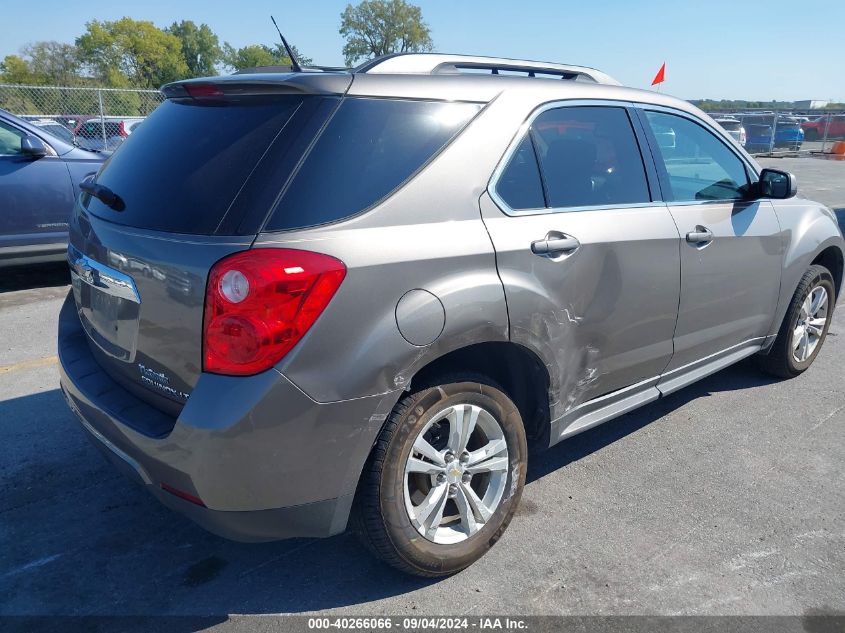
108	304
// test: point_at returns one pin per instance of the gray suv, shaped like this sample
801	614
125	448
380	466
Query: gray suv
366	295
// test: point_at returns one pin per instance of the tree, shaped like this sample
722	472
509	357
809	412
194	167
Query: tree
259	55
131	53
200	47
56	62
43	63
15	70
380	27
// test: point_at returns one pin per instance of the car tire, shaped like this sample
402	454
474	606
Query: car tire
802	325
811	135
390	515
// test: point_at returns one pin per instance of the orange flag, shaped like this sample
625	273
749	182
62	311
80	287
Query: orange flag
660	77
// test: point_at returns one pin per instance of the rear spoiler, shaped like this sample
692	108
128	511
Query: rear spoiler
260	83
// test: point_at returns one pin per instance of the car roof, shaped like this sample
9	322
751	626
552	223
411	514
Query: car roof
436	76
481	88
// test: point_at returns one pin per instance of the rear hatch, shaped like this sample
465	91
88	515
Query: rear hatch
191	185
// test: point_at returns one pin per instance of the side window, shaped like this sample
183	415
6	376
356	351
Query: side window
369	148
698	164
10	140
520	185
589	157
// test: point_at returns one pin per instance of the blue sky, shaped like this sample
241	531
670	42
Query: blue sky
739	49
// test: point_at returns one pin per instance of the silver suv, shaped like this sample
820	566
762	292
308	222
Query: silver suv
367	294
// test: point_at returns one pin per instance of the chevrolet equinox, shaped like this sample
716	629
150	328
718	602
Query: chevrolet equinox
315	299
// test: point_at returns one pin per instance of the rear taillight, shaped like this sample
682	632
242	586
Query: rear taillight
742	137
121	128
259	304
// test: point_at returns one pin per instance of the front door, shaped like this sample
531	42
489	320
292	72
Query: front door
587	255
36	194
731	246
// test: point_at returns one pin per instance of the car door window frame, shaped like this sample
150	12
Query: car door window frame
51	151
651	175
17	130
640	109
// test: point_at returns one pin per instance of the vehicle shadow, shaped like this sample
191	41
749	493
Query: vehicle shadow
34	276
88	541
743	375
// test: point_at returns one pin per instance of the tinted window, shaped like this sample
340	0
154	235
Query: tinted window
183	167
698	164
519	185
368	149
94	129
10	140
589	156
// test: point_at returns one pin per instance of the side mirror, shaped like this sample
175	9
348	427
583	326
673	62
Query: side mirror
777	184
33	147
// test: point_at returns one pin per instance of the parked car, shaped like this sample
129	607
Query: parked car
39	180
834	125
54	128
787	132
104	133
734	128
368	298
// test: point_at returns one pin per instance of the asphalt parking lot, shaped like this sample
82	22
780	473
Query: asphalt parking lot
725	498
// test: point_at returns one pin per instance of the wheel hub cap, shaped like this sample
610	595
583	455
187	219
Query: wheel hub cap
810	325
456	474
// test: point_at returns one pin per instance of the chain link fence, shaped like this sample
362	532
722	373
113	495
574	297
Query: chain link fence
784	132
100	118
93	118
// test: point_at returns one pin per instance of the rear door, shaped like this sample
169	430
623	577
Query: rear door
587	252
36	194
731	248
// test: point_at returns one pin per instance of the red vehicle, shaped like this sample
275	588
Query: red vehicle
104	134
814	130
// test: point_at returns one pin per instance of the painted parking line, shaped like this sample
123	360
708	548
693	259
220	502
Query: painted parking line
29	364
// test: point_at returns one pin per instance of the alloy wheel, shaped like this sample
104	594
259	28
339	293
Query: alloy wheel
456	474
809	328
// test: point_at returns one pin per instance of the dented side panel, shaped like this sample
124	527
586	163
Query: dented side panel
603	317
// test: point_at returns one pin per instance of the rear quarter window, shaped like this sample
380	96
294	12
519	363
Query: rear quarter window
368	149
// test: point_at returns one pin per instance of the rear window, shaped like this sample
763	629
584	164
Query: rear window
730	126
181	170
368	149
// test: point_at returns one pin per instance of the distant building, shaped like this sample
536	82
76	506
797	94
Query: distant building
810	104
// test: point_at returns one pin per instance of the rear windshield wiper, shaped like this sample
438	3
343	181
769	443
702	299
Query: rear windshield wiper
104	195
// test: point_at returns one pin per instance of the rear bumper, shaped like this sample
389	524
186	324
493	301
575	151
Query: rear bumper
266	461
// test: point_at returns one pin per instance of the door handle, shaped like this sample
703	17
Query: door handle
555	244
700	235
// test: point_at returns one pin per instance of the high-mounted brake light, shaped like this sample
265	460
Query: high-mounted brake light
203	90
260	303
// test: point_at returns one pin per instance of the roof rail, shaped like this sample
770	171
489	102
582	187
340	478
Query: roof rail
287	68
440	63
